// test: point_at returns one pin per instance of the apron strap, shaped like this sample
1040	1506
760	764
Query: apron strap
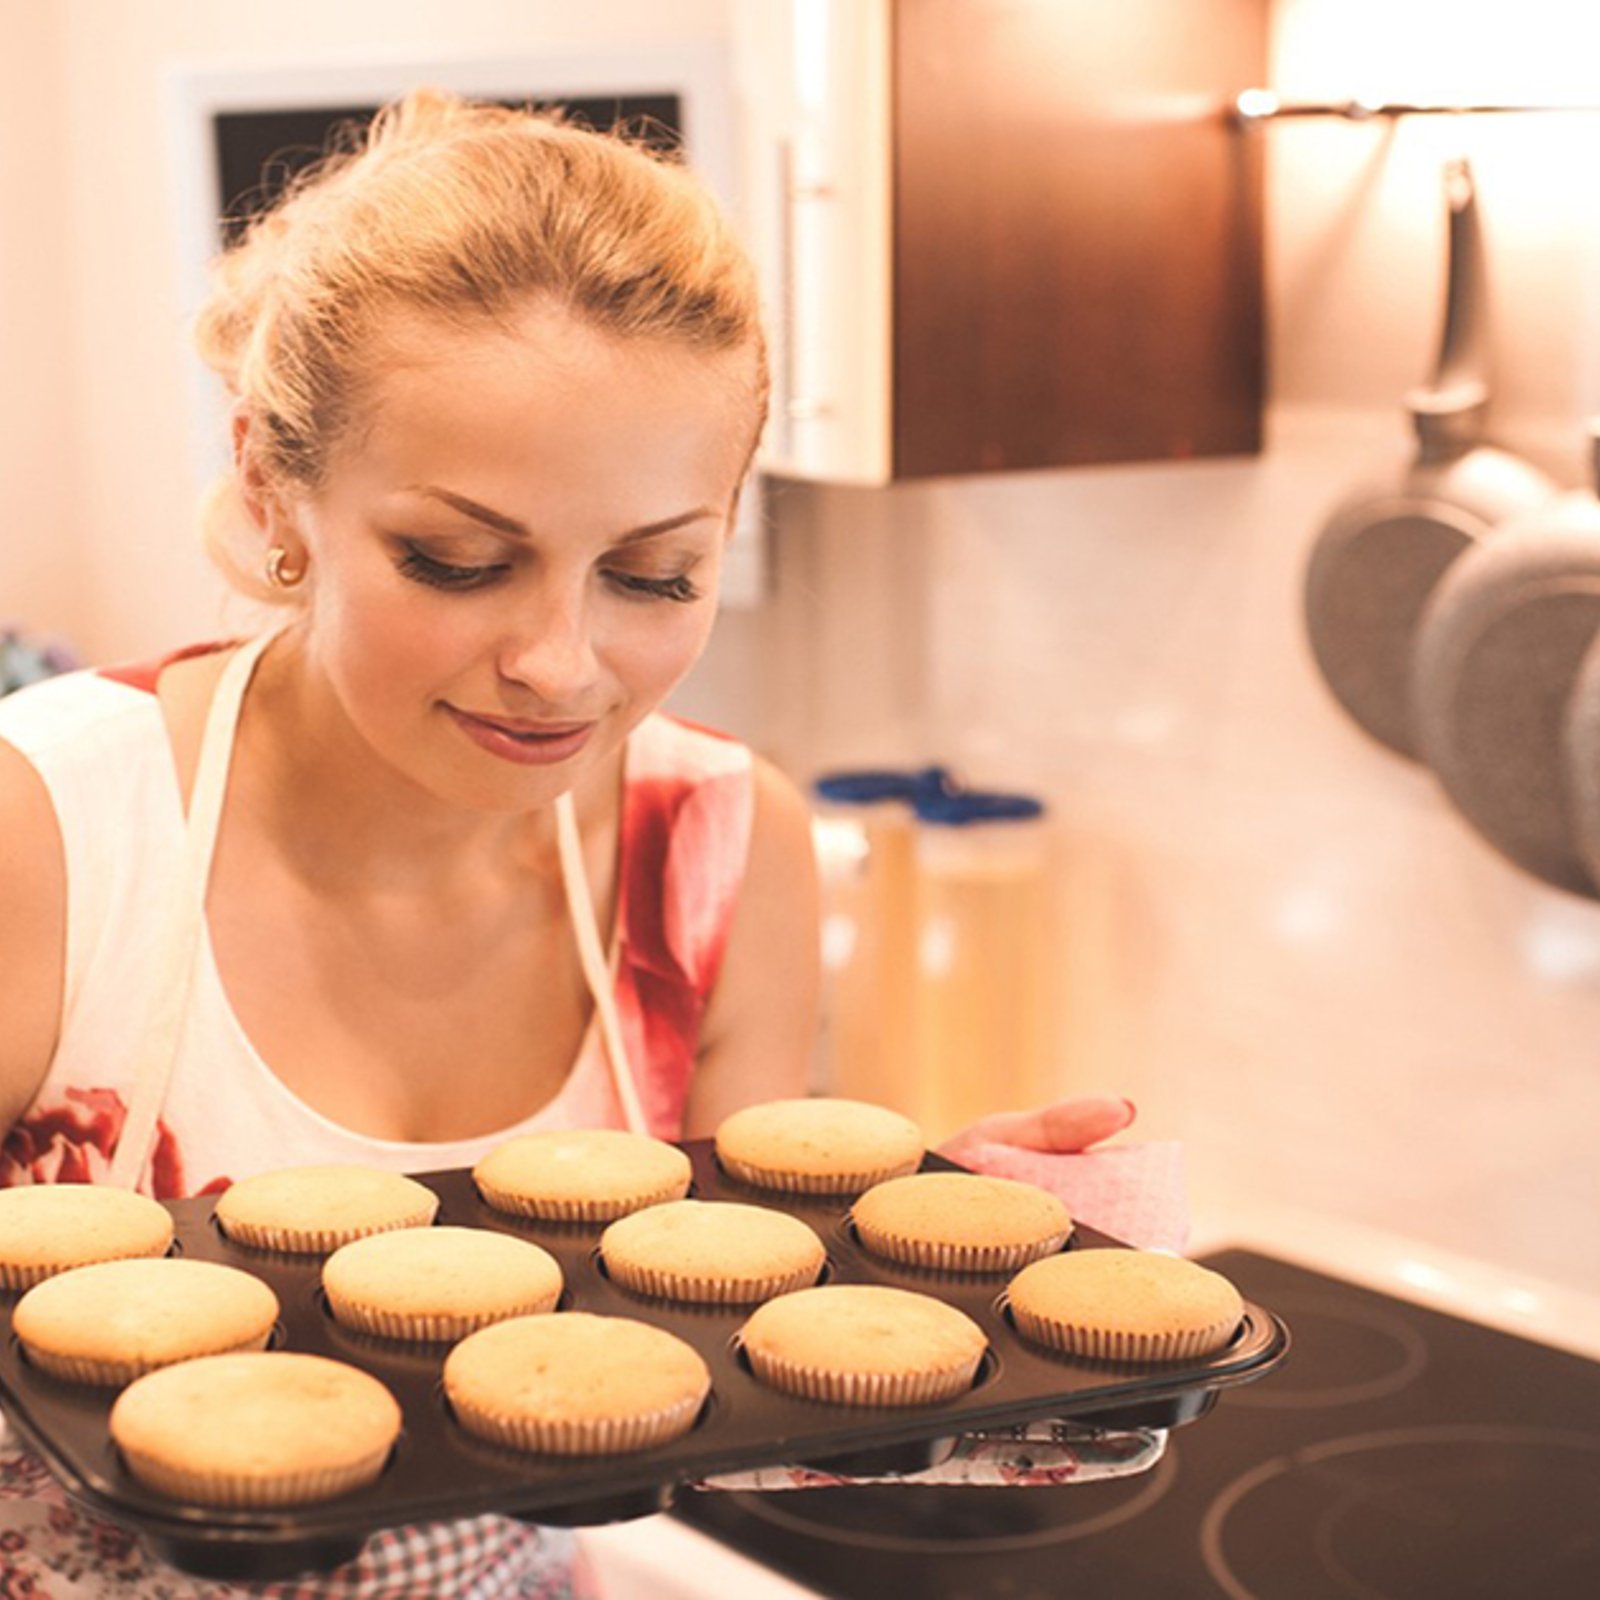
184	921
596	973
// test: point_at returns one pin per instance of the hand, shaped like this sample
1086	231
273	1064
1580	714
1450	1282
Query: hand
1066	1126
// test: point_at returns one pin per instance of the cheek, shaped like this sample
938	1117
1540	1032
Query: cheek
375	636
653	658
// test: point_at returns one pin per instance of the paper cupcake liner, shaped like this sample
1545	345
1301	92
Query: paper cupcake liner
864	1388
1102	1344
759	1177
244	1489
103	1374
418	1329
583	1436
956	1257
23	1275
660	1284
316	1241
546	1208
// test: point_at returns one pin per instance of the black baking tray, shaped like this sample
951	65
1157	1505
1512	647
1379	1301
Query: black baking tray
439	1471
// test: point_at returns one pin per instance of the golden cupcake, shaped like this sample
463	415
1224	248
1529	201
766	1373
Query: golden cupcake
818	1145
49	1227
863	1345
1124	1305
960	1222
581	1174
312	1210
266	1428
438	1283
711	1251
110	1322
575	1384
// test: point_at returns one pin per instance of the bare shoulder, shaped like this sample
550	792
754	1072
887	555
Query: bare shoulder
184	689
33	931
760	1025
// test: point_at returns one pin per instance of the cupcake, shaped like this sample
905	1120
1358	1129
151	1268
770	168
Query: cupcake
863	1345
110	1322
581	1174
47	1228
311	1210
1124	1305
960	1222
437	1283
575	1384
266	1428
818	1146
711	1250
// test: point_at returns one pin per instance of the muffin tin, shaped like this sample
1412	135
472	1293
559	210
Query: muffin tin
439	1471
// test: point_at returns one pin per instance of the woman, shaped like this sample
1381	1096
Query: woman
338	894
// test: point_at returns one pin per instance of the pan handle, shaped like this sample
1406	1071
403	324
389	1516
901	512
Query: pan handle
1449	409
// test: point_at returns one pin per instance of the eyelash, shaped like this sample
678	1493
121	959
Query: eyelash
444	575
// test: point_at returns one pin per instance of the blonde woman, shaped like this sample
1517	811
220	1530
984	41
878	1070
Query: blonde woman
423	866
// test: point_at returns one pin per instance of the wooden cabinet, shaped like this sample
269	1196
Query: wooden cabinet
1004	234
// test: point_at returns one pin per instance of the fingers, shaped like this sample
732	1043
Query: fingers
1067	1125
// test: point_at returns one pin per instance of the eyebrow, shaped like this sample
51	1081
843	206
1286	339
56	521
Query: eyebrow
517	530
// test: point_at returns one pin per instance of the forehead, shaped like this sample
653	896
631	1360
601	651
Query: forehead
546	398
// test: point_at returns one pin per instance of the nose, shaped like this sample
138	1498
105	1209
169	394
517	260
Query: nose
551	651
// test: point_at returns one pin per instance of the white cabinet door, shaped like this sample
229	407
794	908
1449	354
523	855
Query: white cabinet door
813	81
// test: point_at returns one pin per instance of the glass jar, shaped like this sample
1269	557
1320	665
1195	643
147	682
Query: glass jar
981	997
865	832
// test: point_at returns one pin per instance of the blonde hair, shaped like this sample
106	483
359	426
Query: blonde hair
455	211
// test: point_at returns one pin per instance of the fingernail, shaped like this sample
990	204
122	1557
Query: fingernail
1133	1110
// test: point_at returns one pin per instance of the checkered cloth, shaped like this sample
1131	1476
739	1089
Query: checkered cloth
1026	1456
51	1549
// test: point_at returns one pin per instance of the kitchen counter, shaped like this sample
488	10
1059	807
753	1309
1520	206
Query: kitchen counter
658	1558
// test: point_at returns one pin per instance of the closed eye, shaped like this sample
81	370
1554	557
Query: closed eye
437	574
680	588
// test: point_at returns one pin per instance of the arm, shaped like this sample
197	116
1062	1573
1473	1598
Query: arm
33	933
760	1025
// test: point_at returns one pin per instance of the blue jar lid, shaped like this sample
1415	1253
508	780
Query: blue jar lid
968	806
870	787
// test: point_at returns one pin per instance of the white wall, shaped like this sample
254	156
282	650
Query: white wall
37	422
1355	220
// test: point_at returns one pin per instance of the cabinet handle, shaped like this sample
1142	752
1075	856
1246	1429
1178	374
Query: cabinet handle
792	406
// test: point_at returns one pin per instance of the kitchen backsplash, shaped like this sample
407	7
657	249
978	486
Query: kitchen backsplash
1274	935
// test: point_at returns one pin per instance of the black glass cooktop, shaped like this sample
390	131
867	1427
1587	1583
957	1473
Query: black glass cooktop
1397	1454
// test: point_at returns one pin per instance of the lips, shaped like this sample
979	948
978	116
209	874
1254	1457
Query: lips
520	741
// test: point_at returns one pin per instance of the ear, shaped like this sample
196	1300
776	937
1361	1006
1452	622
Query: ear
254	493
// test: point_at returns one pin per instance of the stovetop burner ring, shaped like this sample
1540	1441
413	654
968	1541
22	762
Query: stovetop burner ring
1401	1355
1414	1502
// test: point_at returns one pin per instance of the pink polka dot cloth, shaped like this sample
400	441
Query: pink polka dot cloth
1134	1192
